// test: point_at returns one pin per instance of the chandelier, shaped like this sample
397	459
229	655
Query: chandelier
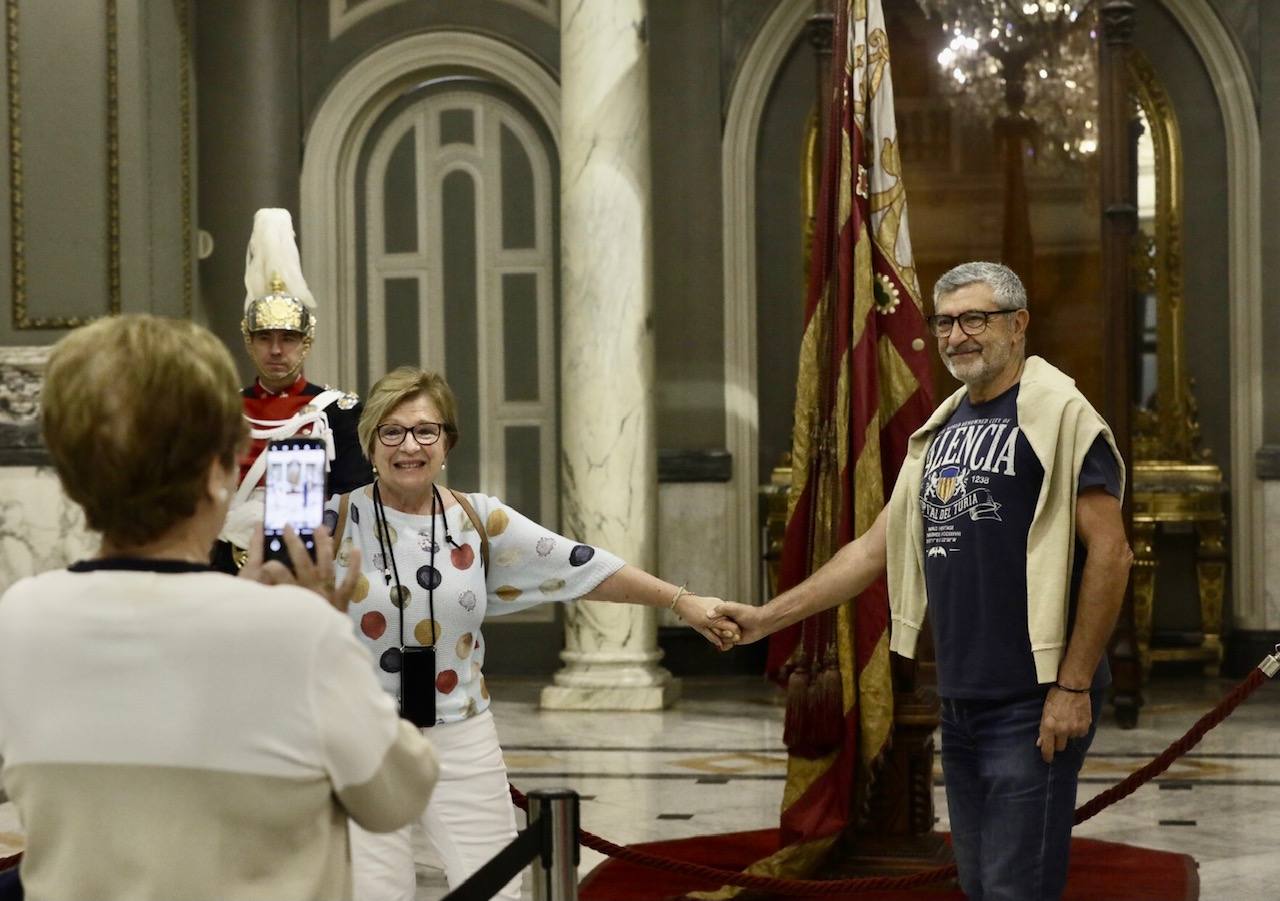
1032	61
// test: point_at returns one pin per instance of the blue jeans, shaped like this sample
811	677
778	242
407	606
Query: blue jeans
1011	813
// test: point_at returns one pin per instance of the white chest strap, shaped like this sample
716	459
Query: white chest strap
272	429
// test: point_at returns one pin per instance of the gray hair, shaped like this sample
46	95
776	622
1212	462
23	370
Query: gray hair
1003	282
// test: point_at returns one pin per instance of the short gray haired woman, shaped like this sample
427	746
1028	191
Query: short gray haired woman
426	583
168	731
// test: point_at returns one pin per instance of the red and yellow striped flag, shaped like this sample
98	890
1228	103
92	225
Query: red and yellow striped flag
863	388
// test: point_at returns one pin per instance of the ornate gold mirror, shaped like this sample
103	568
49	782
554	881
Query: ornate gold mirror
1166	427
1175	485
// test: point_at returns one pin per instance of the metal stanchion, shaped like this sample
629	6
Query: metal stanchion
555	870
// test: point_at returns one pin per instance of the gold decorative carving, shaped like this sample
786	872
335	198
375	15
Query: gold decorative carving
1144	588
17	238
1170	429
1174	483
184	124
1144	263
113	158
1185	495
773	513
810	184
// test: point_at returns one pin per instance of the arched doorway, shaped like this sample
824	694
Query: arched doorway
428	209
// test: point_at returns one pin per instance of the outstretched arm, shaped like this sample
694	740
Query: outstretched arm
844	576
632	585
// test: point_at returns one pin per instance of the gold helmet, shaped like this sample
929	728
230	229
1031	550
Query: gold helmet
276	294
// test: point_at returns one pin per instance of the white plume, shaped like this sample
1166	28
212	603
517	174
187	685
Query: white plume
273	251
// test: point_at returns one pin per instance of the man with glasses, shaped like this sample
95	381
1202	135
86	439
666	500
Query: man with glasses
279	327
1005	523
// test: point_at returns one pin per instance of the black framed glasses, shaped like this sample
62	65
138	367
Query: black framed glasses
425	433
972	322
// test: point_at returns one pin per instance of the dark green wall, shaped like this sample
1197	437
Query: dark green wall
1269	84
688	280
95	186
780	272
249	142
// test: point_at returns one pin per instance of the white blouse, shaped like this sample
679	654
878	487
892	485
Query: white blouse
528	565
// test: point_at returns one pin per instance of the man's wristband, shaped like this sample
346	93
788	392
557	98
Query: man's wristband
1074	691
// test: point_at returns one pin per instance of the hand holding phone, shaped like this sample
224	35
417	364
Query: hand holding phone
317	576
295	495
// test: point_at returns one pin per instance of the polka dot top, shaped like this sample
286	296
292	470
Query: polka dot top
528	565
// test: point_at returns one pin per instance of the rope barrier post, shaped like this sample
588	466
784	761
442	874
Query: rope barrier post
1270	664
554	814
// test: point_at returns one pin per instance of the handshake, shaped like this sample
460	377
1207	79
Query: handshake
725	624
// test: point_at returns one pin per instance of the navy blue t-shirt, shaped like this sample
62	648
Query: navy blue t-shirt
978	497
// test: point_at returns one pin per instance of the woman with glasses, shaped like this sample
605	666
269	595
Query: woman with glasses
437	563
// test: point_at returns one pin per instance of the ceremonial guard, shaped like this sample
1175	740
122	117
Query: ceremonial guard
279	327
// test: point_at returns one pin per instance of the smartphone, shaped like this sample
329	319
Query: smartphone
295	494
418	686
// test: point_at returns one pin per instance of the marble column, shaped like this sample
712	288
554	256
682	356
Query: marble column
40	528
609	457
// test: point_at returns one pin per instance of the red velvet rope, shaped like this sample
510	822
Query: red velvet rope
1188	741
816	888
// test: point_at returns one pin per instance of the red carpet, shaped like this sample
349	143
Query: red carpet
1100	871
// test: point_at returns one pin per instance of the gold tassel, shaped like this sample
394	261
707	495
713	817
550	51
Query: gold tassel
814	724
795	726
828	704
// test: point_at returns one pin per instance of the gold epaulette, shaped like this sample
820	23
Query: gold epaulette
348	399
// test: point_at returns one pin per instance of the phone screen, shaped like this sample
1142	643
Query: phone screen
295	492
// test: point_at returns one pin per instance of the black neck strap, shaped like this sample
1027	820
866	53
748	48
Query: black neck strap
391	571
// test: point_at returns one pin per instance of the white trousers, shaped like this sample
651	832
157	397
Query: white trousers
470	818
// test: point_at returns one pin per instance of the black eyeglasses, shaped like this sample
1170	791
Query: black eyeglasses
424	433
973	322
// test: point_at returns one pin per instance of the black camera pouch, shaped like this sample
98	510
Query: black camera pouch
418	686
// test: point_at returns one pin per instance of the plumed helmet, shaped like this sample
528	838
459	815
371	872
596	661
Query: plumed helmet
276	294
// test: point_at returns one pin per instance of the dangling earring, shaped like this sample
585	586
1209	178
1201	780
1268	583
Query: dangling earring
444	465
375	471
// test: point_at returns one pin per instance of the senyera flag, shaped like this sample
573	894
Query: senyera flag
863	388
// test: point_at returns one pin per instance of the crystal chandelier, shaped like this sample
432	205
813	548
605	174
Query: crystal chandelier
1031	60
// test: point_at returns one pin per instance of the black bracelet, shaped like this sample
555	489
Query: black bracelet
1074	691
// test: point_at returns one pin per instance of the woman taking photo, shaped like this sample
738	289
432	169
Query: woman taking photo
168	731
437	562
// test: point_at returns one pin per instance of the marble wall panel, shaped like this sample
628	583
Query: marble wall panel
1271	566
20	373
692	543
40	528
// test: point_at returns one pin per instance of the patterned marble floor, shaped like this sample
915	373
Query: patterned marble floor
715	764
